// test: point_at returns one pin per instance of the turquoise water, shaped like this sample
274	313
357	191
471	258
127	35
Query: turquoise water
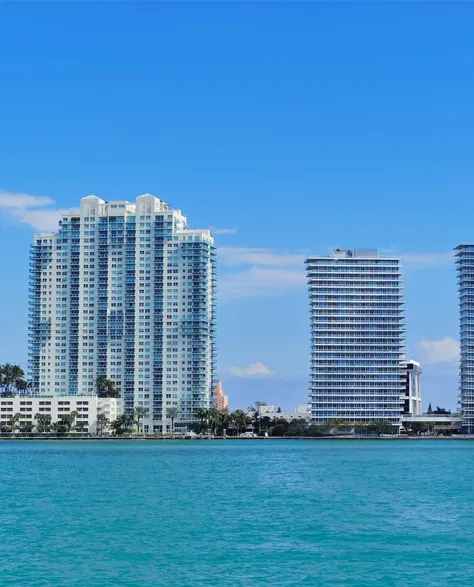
236	513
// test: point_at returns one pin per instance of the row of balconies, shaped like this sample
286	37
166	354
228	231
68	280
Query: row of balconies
357	382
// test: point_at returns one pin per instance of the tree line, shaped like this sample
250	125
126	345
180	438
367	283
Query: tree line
43	424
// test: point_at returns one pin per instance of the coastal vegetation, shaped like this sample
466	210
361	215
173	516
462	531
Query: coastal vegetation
213	421
102	423
42	424
140	413
106	387
172	413
299	427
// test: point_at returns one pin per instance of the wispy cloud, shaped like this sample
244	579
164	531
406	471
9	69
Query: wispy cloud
433	352
265	257
223	230
255	370
32	210
12	201
268	272
428	260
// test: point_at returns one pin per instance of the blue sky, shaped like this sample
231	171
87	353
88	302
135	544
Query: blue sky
292	127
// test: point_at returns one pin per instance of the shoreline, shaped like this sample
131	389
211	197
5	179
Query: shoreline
235	438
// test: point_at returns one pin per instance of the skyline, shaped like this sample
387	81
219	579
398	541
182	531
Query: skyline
356	131
434	352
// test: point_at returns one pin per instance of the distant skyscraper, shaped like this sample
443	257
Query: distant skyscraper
465	268
357	333
125	290
220	400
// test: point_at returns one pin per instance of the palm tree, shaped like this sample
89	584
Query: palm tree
173	414
4	429
233	422
224	420
106	387
213	419
202	414
139	412
67	422
102	423
80	426
11	377
43	423
123	424
241	420
22	386
26	427
100	383
15	422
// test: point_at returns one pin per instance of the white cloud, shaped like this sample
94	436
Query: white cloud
255	370
254	256
260	281
31	210
432	352
22	201
224	230
270	273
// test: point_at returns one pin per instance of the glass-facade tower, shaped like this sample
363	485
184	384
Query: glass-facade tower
125	290
357	333
465	267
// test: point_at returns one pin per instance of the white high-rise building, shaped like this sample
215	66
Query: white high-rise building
125	290
465	269
357	332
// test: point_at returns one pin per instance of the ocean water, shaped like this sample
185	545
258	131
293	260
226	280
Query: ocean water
236	513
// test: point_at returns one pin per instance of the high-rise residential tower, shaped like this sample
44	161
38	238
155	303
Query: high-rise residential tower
465	267
125	290
357	332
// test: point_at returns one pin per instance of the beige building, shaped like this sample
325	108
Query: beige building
221	401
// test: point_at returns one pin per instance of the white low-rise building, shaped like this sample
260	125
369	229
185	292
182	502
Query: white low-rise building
275	413
87	408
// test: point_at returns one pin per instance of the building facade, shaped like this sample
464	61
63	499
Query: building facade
412	392
125	290
357	333
220	400
465	269
86	408
301	413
